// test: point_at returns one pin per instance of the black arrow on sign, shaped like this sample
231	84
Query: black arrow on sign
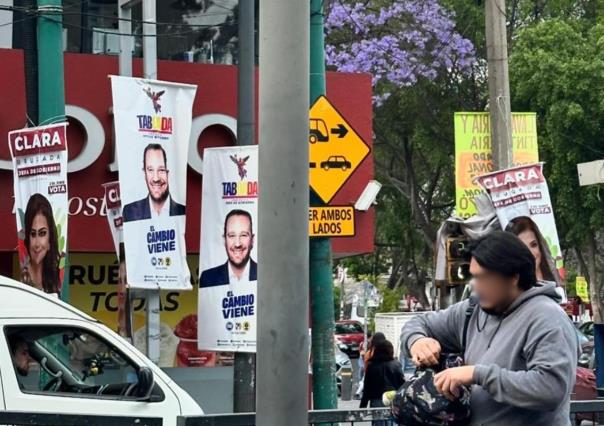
341	131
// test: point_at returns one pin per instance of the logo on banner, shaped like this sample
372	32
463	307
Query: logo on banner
241	188
154	124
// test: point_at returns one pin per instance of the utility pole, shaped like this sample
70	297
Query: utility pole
282	348
51	90
244	371
321	281
499	84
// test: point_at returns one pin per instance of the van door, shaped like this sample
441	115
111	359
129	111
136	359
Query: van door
67	367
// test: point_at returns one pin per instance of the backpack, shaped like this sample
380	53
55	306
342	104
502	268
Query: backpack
418	402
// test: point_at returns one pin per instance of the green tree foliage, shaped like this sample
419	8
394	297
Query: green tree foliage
557	70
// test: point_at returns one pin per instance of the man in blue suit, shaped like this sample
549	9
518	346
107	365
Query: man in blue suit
238	243
158	202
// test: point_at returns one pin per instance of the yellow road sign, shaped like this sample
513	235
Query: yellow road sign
333	221
582	289
336	150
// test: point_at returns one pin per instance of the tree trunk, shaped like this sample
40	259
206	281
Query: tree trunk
595	287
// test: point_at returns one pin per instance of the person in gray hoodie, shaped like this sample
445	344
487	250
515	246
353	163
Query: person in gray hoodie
521	348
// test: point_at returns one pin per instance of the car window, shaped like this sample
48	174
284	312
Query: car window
348	328
69	360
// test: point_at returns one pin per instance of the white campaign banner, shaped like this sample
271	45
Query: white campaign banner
152	129
522	192
40	183
114	213
227	259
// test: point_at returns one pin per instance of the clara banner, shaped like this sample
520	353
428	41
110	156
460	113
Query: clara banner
227	259
152	129
40	183
522	192
473	152
114	213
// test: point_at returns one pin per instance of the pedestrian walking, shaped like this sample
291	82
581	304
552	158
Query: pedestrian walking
521	349
384	373
366	355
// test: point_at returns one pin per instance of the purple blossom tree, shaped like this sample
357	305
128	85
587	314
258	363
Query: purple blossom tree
398	43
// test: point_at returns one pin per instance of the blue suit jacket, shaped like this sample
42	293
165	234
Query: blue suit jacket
140	210
219	275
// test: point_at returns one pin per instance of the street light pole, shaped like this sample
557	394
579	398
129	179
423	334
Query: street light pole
282	344
321	281
244	386
499	84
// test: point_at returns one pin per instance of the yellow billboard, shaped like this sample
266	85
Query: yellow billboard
473	152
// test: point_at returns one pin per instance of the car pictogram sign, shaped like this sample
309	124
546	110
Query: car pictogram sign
336	150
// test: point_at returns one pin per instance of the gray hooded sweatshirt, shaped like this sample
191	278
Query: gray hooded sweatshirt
525	359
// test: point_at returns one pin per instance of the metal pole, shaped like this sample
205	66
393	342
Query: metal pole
321	280
51	90
30	59
244	391
281	397
125	27
150	72
149	40
246	74
499	85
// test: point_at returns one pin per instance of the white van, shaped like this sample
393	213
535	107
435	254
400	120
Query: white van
56	359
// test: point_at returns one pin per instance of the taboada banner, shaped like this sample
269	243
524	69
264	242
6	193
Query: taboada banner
522	192
152	129
40	183
114	213
473	152
227	259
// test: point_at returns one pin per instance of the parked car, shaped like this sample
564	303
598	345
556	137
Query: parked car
587	328
349	337
585	389
342	360
71	363
587	357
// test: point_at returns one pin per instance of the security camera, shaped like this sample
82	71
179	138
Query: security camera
368	196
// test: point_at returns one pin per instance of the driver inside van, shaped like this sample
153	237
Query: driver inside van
20	354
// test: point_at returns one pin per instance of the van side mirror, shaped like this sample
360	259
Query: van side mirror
145	384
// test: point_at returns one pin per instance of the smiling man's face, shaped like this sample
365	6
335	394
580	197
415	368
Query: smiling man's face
239	240
156	175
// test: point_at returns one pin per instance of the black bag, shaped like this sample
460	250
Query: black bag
418	402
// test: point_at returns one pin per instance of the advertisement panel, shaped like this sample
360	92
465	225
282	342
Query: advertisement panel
473	152
522	192
152	129
114	213
39	156
227	259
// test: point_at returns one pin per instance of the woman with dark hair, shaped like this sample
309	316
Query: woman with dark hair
366	355
383	374
528	232
41	269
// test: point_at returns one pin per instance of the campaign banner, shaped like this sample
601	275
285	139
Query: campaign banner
473	152
152	129
227	259
114	213
39	157
522	192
